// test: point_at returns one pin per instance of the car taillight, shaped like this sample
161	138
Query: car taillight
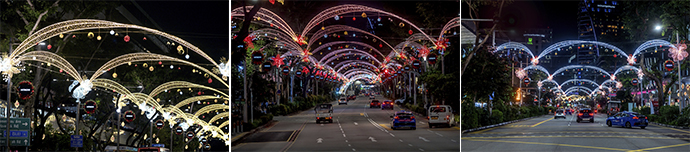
396	117
591	114
579	114
412	117
645	117
635	118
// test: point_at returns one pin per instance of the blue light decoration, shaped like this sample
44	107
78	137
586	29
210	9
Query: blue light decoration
329	48
337	18
240	46
353	35
265	34
455	33
325	36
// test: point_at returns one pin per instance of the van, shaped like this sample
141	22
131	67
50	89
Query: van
440	115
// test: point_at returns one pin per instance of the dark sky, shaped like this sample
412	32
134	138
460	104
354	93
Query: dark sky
203	23
561	16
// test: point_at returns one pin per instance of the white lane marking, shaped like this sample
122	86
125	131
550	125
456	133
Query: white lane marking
349	145
356	124
439	134
353	149
318	141
422	138
453	140
346	141
421	149
409	145
344	135
400	140
372	139
391	134
321	125
377	125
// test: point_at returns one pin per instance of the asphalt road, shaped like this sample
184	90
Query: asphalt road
548	134
356	127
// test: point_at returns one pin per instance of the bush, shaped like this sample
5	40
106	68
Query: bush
643	111
497	116
669	114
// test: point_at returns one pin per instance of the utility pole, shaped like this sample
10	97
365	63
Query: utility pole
7	111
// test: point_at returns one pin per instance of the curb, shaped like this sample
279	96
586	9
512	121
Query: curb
244	135
496	125
670	126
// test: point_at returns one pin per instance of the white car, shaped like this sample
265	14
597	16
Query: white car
559	114
342	100
441	115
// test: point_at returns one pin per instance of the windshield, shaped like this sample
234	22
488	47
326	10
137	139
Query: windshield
438	109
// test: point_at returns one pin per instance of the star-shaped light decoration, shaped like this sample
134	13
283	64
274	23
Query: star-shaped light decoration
678	53
535	61
520	73
423	52
619	84
7	68
300	40
539	84
305	70
277	60
441	44
631	60
222	69
640	74
248	41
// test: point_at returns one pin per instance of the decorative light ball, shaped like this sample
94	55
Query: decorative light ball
410	31
90	34
209	80
112	32
49	46
144	38
129	63
61	36
364	15
60	70
323	28
126	38
337	17
345	32
159	62
379	19
401	24
74	36
186	56
117	34
171	66
151	68
114	75
180	93
98	38
353	18
146	65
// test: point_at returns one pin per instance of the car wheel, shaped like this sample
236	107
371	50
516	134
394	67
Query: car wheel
415	128
591	120
430	125
642	127
392	127
330	121
578	120
608	123
317	121
627	124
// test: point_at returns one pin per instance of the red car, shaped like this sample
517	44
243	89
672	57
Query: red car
352	97
375	104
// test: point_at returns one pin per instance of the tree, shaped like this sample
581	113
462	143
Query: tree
490	77
474	14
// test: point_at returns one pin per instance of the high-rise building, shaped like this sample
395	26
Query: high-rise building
597	21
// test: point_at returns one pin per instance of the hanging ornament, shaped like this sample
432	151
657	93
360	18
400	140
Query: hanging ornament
90	35
323	28
209	80
319	43
151	68
272	1
336	17
61	36
379	19
126	38
98	38
364	15
146	65
410	31
49	46
180	50
114	75
74	36
112	32
380	45
345	32
144	38
60	70
401	24
353	18
171	67
373	40
186	56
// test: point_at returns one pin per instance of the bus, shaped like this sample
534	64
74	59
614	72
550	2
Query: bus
153	149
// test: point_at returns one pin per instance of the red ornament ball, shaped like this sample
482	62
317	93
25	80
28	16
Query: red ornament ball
126	38
209	80
409	31
60	70
159	62
353	18
49	46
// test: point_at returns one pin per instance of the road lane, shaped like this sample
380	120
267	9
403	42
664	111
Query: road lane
356	127
548	134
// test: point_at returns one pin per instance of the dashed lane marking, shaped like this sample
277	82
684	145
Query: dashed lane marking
552	144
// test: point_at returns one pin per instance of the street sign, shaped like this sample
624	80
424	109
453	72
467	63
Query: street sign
266	66
158	145
160	124
25	89
669	65
129	116
207	146
286	70
16	124
415	64
76	141
16	134
90	106
634	81
190	135
203	140
526	80
178	130
257	57
431	58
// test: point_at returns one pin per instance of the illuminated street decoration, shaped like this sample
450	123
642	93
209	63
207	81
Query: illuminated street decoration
678	53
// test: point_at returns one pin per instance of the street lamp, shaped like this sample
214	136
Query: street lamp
658	27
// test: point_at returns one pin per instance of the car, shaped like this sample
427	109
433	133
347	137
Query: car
560	113
352	97
342	100
403	119
372	97
569	111
628	119
440	115
585	113
324	112
374	104
387	105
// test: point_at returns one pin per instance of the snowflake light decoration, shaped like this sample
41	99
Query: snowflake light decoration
277	60
632	59
520	73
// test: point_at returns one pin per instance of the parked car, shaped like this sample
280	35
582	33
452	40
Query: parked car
628	119
441	115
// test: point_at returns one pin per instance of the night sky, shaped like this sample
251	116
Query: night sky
205	24
561	16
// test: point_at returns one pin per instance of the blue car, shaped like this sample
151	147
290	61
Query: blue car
387	105
403	119
627	119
